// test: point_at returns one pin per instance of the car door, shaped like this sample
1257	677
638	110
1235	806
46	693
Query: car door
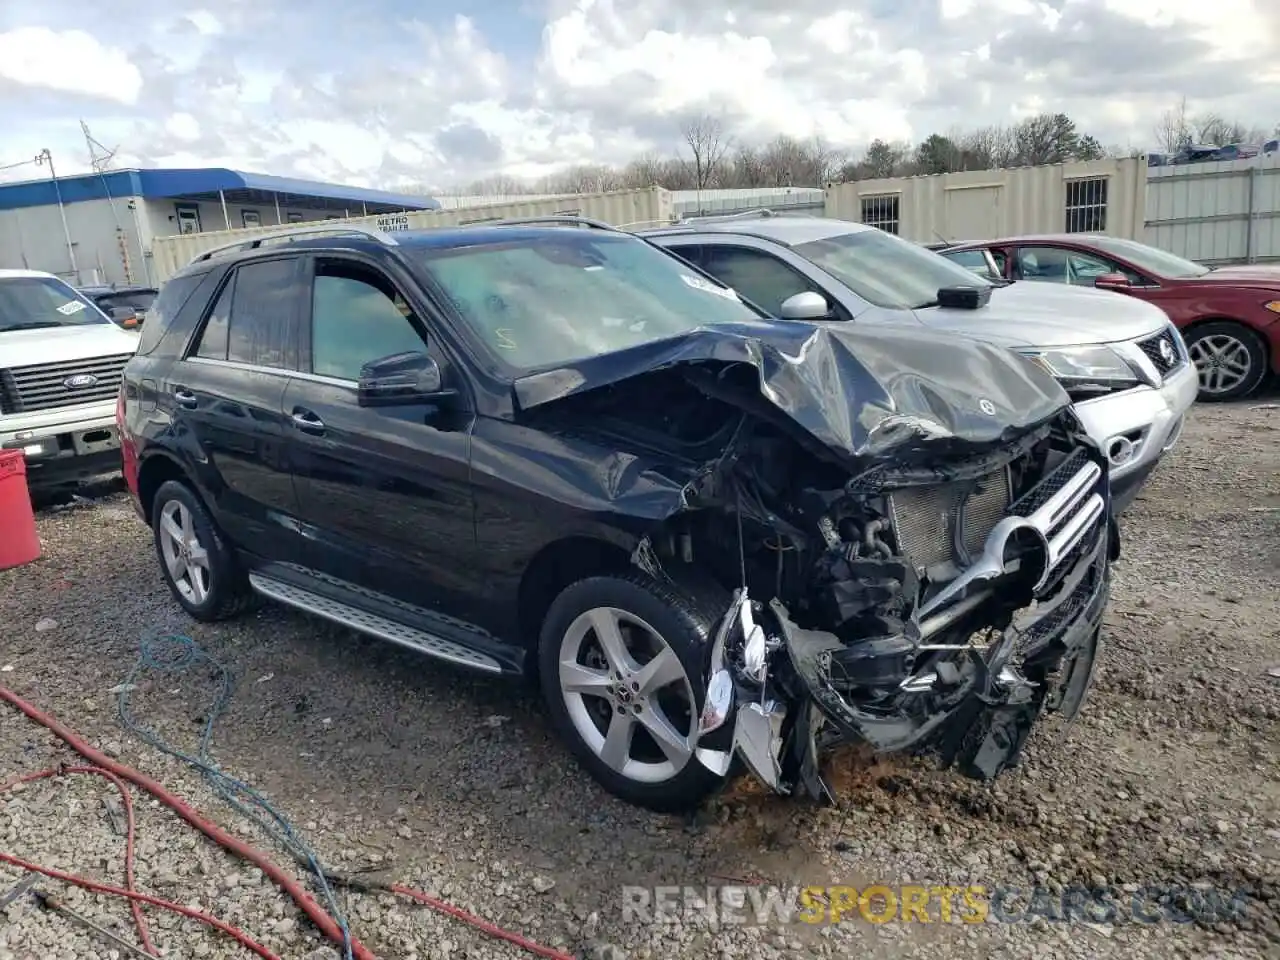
224	397
384	492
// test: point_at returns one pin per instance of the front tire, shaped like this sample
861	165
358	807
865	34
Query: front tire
1230	358
622	659
197	563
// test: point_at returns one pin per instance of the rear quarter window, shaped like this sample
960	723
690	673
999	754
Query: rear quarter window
174	311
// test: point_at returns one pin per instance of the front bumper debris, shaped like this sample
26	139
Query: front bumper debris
792	693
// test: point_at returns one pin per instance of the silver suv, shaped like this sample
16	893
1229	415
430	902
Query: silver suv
1121	361
60	366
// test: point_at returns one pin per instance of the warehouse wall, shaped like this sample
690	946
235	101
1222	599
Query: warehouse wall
104	236
109	237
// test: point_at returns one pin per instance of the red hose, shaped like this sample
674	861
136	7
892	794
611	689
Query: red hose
313	910
485	925
242	938
117	773
134	907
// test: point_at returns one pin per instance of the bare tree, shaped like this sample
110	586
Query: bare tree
498	185
1173	129
708	143
646	170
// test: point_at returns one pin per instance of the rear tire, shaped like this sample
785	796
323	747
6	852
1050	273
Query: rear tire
197	563
627	706
1230	358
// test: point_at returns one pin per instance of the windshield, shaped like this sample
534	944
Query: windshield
886	270
540	301
30	303
973	260
136	299
1159	262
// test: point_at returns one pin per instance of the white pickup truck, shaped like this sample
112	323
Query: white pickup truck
60	364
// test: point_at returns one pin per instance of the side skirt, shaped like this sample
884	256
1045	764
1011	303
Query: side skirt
386	618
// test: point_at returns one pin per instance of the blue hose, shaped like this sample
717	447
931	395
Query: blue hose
177	655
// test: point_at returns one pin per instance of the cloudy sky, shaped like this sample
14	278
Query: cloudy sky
384	92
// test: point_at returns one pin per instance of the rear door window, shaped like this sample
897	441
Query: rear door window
262	312
253	320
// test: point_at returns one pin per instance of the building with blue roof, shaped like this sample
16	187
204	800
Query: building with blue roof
98	228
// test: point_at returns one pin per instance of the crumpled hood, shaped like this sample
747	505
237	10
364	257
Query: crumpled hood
857	392
1031	313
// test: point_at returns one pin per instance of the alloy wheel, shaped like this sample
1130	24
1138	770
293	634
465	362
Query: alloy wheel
1222	361
627	694
185	557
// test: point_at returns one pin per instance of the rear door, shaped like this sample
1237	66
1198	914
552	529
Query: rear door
225	398
384	492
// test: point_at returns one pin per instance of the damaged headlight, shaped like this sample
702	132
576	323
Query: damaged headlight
1086	369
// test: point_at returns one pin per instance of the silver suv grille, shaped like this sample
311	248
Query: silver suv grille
47	386
1163	351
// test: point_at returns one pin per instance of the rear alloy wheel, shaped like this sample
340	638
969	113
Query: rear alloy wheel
198	565
620	662
1229	358
185	558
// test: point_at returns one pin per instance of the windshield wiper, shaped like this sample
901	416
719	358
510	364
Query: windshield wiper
32	325
924	306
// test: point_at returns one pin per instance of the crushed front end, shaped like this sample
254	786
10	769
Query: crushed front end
940	608
916	529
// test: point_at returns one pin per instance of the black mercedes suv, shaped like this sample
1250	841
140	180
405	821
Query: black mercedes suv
550	448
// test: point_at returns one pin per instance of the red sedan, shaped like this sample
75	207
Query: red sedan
1229	316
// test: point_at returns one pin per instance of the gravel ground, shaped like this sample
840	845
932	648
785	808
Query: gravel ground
452	783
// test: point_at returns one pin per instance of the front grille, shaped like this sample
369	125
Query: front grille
1042	492
930	520
1162	350
44	386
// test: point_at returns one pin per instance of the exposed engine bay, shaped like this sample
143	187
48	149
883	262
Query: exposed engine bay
936	597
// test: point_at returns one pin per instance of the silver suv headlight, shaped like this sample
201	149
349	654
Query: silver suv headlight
1084	370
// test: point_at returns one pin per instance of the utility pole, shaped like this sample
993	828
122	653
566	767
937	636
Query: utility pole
43	157
99	162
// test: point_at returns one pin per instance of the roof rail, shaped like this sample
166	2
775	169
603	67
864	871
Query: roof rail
253	243
562	219
741	215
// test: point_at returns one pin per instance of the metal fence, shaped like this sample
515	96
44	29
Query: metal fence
1216	213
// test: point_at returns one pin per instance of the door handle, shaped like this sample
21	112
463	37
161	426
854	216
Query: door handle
185	398
307	422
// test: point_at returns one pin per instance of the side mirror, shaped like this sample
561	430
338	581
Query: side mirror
805	306
964	298
1112	281
401	379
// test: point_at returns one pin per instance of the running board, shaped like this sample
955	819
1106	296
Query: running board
369	623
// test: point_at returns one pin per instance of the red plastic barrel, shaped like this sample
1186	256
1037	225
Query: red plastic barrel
19	542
